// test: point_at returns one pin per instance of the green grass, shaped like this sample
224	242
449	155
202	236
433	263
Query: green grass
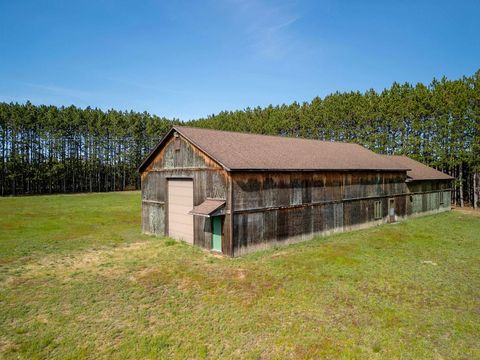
77	280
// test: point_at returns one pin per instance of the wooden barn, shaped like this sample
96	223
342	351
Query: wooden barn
235	192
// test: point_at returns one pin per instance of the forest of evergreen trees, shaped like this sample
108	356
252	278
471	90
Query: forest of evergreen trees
46	149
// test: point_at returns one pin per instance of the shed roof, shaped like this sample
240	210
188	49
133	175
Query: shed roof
208	207
418	171
249	152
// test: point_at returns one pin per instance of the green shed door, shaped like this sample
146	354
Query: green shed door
217	234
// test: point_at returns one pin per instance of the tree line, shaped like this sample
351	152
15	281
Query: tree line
48	149
437	124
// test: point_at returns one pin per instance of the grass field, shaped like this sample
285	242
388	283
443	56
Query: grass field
77	280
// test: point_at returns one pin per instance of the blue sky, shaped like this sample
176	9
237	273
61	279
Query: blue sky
188	59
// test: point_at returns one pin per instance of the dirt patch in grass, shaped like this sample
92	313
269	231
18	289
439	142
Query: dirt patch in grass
153	277
468	210
64	266
7	346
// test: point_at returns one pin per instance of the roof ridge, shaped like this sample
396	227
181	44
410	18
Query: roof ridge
270	135
259	152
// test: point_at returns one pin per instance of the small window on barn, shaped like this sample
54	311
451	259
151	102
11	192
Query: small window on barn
442	200
177	144
377	210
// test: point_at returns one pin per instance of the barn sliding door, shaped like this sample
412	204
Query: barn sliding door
180	202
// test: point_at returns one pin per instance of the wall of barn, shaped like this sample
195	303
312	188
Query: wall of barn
284	207
179	159
287	207
428	196
265	208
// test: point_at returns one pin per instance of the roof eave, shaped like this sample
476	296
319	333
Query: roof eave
431	179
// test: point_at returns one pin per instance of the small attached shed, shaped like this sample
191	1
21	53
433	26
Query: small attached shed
234	192
429	189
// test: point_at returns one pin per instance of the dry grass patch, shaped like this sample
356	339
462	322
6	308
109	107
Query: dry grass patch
468	211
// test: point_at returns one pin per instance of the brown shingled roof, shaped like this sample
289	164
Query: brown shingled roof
208	207
418	171
242	151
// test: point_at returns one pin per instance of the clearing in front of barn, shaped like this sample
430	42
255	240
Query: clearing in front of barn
77	280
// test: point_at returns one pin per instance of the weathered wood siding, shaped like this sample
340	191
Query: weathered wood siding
179	159
265	208
293	206
425	196
429	185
